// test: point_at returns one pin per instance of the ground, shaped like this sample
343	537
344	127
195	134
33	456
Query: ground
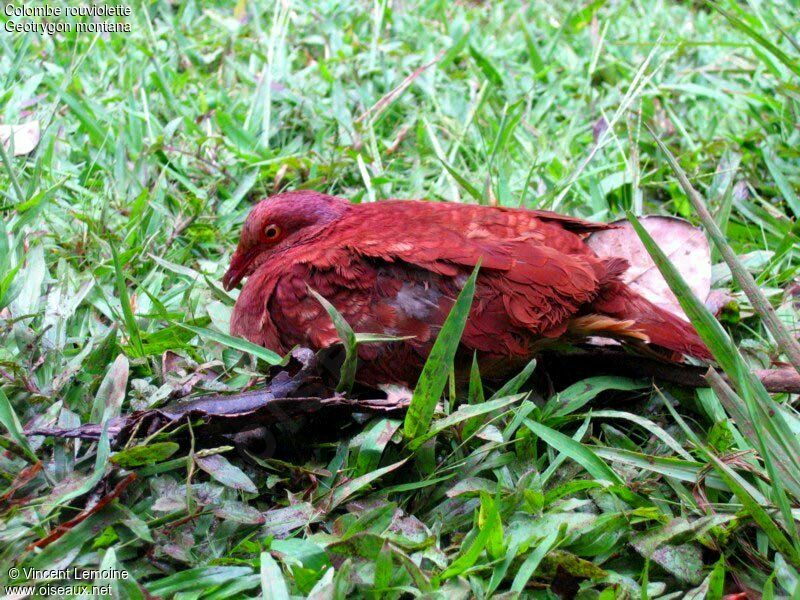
118	227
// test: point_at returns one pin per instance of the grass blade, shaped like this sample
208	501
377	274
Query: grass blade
488	526
582	455
774	436
350	341
466	412
9	420
528	568
739	24
746	495
434	374
513	385
579	394
347	373
273	585
268	356
125	303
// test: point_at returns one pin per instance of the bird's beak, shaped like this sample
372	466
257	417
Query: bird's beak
240	262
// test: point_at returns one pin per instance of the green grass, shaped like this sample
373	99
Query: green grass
117	229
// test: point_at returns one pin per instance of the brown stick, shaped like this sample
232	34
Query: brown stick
386	100
781	380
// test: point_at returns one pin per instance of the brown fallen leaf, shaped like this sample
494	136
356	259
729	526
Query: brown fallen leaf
223	415
25	137
284	399
685	245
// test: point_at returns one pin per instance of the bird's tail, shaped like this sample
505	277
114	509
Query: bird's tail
641	318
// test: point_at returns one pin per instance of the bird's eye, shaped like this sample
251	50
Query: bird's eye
272	231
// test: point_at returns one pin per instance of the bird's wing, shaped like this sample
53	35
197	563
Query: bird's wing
433	233
534	273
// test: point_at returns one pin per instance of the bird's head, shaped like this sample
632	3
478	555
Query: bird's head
279	222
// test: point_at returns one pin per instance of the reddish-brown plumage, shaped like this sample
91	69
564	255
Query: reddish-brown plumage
397	266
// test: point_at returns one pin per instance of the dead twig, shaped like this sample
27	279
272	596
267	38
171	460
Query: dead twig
387	99
582	364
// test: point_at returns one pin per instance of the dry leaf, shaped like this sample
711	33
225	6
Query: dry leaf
26	137
685	245
284	399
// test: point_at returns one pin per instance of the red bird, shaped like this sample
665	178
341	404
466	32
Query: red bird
396	267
